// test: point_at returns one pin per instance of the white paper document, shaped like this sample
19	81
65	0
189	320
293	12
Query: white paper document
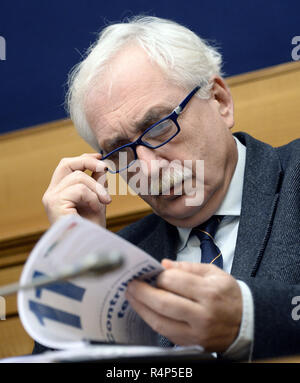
62	315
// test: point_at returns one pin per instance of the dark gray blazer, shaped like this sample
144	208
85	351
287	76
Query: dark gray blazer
267	254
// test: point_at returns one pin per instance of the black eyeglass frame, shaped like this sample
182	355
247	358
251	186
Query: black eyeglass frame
172	116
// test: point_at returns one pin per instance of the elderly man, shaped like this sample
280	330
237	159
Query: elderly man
152	90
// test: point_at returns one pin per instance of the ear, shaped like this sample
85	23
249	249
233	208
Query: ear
221	94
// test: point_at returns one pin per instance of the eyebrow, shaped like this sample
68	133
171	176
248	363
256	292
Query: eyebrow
151	117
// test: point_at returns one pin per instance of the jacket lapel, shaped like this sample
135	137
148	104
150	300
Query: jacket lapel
162	242
259	201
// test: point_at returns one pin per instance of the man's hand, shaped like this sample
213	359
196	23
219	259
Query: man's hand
71	191
193	303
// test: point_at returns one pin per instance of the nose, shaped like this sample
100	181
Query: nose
150	159
145	153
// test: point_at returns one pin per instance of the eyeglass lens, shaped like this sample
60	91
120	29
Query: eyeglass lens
155	137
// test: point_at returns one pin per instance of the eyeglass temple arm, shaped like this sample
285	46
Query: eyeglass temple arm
180	107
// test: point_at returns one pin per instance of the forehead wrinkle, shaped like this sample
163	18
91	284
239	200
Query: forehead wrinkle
113	141
150	117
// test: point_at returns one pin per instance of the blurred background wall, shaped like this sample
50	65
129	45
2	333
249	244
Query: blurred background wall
46	38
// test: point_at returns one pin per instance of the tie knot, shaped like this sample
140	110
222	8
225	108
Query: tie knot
207	229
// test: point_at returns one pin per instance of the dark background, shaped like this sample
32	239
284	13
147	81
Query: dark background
45	39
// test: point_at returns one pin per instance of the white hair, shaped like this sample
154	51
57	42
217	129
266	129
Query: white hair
186	59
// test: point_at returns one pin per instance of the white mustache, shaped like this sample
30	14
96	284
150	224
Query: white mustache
161	177
170	178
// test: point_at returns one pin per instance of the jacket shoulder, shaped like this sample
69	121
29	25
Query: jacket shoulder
289	153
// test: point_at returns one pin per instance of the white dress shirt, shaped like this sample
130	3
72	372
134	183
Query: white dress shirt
225	238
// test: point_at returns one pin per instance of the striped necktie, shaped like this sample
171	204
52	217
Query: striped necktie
210	253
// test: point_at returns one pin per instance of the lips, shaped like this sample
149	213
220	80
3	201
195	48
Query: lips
170	197
173	192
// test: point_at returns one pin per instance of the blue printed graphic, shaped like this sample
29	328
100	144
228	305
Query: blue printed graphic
64	288
42	311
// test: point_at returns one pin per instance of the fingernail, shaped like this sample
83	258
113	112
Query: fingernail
102	192
107	197
101	167
168	263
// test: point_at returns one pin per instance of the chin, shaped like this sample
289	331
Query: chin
175	210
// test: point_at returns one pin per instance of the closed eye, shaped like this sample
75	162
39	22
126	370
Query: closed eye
159	130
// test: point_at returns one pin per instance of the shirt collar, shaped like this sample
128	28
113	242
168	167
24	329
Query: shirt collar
232	202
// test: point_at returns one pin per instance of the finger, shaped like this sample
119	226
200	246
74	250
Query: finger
96	155
82	195
167	263
162	302
191	267
185	284
100	178
80	178
169	327
82	163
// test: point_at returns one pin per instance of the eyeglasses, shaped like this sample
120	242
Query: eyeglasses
153	137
